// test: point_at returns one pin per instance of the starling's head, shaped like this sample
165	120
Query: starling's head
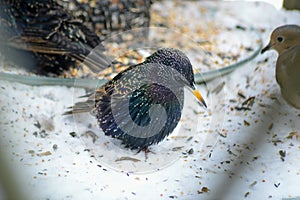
283	38
177	60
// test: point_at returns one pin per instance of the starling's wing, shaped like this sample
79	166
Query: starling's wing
103	95
127	114
138	119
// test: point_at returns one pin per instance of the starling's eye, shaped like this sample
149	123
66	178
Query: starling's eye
176	77
279	38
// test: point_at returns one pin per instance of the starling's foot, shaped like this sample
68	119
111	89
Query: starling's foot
146	150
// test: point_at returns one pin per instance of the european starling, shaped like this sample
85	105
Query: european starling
143	104
43	37
286	41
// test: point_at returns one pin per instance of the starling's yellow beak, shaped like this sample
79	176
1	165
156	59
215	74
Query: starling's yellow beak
199	97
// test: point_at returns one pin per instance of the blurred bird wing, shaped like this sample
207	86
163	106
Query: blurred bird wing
36	44
70	36
93	58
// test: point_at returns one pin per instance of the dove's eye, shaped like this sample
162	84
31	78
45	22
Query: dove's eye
279	38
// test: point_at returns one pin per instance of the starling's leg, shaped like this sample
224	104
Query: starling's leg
146	150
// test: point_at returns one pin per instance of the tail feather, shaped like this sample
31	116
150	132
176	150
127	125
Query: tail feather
80	107
88	105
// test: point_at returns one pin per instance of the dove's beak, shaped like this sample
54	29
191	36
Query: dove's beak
266	48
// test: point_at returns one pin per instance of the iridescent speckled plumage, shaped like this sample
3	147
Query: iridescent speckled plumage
123	105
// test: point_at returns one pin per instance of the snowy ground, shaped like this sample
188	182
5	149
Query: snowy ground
234	154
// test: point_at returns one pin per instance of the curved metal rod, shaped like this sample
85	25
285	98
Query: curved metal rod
209	75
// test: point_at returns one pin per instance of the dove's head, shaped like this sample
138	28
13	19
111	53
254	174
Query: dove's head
283	38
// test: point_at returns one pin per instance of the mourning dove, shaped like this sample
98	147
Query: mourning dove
286	41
